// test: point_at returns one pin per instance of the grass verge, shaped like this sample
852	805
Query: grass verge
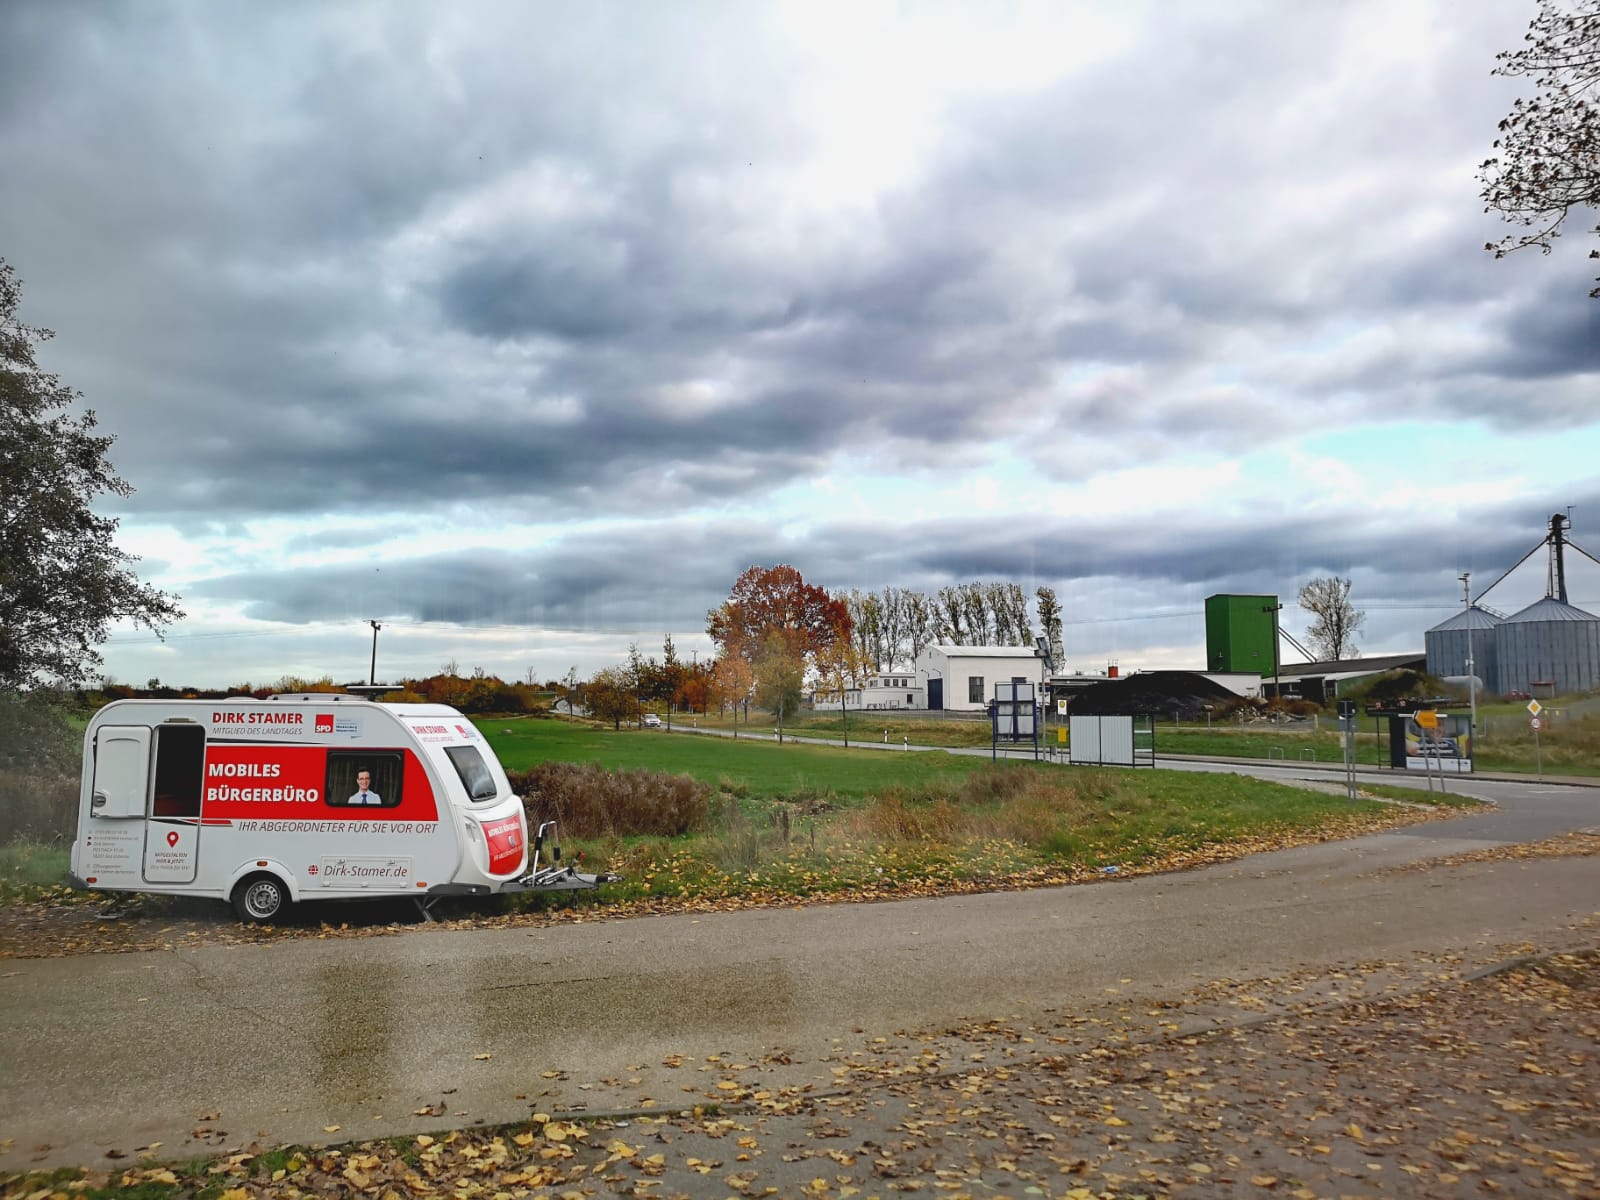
791	821
1569	744
766	823
32	870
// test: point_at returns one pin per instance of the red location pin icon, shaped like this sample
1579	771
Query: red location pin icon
172	838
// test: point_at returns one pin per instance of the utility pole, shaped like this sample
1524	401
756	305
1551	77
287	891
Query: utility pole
372	671
1472	666
1274	609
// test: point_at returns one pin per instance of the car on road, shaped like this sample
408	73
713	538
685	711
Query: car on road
651	721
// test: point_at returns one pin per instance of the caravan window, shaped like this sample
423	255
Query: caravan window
474	772
364	779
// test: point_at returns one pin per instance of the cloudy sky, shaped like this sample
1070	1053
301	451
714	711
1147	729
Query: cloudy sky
525	327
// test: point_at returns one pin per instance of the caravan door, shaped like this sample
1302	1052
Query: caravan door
172	832
113	837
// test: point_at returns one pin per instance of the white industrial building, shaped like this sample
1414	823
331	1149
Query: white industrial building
888	690
962	678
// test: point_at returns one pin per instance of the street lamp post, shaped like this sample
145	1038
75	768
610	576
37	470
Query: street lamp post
372	671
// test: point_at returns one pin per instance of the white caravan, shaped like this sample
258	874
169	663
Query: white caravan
310	797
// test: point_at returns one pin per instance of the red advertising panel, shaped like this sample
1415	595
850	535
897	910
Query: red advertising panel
246	781
507	840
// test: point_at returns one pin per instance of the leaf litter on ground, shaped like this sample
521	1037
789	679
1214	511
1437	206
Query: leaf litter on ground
1436	1086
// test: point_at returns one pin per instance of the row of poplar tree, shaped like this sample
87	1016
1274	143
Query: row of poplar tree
893	626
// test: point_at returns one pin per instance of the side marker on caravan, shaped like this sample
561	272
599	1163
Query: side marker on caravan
265	802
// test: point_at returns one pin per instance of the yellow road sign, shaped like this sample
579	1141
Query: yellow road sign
1428	719
1534	707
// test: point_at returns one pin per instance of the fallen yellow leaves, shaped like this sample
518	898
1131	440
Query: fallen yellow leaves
1429	1087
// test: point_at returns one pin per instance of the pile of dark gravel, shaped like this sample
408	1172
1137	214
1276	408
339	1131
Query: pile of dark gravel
1179	695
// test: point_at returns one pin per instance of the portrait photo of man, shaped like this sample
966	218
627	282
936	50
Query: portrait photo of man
364	793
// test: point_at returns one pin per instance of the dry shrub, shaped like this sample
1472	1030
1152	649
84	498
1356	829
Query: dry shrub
995	785
588	801
36	807
1027	807
741	842
999	804
896	817
40	761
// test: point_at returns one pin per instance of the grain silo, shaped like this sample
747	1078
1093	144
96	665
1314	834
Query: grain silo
1465	645
1550	647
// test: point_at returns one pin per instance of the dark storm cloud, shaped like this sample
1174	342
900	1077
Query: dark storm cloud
666	574
661	575
1545	339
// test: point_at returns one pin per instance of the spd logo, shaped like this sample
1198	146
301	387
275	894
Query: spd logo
324	722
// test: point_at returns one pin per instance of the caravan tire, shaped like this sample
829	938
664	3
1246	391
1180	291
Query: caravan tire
260	898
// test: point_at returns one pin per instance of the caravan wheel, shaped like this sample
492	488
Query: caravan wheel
260	898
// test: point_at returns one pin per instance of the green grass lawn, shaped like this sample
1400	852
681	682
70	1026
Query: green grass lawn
1569	744
754	765
1569	748
809	820
28	869
792	819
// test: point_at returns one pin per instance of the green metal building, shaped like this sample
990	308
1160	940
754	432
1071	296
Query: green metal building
1240	633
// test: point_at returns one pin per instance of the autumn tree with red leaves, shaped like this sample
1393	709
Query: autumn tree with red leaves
774	607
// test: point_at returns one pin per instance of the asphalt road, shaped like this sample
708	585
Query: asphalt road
218	1046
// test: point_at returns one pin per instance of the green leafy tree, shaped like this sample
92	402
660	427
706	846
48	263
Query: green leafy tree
1547	160
62	579
780	676
674	674
610	696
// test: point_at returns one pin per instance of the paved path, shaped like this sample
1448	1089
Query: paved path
279	1042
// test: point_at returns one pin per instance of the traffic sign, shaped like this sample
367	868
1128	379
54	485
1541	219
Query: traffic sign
1534	707
1427	718
1536	724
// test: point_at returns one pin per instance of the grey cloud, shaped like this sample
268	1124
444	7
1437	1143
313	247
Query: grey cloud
1547	339
666	574
219	202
